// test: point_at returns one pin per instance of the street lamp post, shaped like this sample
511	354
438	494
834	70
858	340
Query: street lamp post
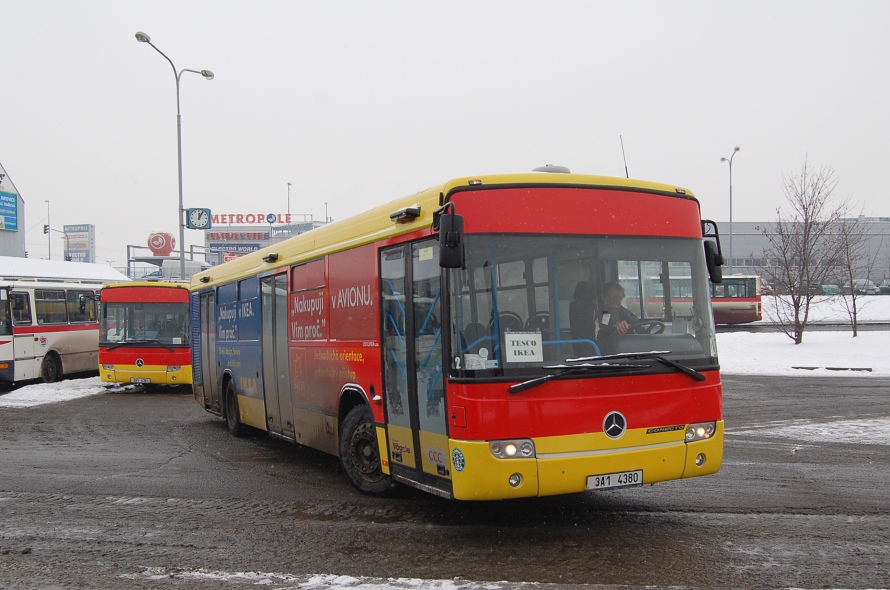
49	240
735	150
143	38
288	203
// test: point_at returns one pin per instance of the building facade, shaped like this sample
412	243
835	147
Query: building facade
12	218
748	247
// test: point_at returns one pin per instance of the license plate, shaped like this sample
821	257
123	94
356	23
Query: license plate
622	479
139	380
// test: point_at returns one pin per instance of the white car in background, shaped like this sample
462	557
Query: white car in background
862	287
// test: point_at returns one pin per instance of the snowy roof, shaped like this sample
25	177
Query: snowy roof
12	267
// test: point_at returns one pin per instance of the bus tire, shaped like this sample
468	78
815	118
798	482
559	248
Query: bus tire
50	368
360	454
233	412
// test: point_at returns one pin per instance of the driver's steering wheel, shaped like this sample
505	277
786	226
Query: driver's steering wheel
647	327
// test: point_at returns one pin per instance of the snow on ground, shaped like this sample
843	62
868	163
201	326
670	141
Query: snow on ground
46	393
774	353
824	354
741	353
870	308
329	581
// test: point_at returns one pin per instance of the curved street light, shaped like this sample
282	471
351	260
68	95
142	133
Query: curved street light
143	38
735	150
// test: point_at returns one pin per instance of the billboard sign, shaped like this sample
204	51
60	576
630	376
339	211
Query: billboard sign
80	242
9	211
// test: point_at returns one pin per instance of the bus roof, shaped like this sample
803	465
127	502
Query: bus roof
161	284
13	268
376	224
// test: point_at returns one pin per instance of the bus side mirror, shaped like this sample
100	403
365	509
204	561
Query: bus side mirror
714	262
451	241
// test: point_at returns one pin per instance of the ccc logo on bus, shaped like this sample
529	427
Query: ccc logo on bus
139	362
614	425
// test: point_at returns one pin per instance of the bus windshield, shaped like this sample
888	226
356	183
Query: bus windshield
163	323
524	303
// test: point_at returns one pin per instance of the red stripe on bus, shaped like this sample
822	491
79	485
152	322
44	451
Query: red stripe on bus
24	330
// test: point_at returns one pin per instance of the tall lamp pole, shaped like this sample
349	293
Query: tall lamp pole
143	38
735	150
288	203
49	240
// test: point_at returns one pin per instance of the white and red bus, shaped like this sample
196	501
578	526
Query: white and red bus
144	333
48	321
440	340
737	300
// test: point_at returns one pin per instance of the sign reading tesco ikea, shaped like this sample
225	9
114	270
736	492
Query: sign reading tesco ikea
248	218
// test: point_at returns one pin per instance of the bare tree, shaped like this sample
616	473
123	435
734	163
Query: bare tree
801	246
854	262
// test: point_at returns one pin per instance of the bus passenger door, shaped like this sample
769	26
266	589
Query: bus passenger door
276	371
209	370
413	382
25	353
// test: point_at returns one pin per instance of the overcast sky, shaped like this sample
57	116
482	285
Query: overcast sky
357	103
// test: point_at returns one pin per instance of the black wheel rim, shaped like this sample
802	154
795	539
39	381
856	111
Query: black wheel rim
363	451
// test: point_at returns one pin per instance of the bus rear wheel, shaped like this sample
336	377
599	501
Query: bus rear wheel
50	368
233	412
360	454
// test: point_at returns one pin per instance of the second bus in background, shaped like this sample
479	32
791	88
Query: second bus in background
144	334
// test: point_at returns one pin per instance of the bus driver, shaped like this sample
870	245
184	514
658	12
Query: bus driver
616	318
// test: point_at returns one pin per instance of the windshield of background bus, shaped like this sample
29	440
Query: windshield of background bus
165	322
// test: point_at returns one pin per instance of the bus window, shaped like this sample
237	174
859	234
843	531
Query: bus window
50	306
5	324
81	306
21	309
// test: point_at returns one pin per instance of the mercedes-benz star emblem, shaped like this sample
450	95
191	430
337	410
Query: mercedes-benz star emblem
614	425
139	362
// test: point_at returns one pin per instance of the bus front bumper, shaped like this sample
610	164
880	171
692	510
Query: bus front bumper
146	374
567	468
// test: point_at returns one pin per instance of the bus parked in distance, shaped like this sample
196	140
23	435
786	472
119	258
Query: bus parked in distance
737	300
451	341
144	333
48	320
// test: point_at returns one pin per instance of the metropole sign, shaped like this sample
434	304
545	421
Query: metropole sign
250	218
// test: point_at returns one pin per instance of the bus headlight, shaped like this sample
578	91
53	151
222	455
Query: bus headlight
700	431
510	449
108	367
173	368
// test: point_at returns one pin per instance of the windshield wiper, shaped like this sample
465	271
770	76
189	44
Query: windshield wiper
569	370
652	354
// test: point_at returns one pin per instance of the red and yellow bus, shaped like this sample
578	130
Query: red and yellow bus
430	341
737	300
144	333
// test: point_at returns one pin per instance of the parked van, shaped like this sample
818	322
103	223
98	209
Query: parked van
862	287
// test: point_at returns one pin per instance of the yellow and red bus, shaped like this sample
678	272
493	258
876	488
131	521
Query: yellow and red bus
429	341
144	333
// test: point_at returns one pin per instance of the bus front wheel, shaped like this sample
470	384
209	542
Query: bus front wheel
233	413
360	454
50	369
